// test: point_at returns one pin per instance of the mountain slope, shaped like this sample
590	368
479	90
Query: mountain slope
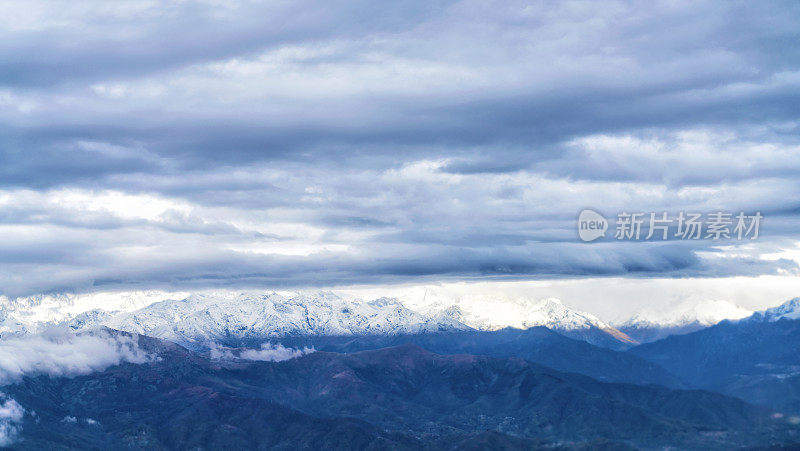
195	319
104	412
413	387
326	321
685	318
538	344
788	310
328	400
757	358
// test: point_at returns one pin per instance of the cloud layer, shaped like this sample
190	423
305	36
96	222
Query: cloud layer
59	352
151	144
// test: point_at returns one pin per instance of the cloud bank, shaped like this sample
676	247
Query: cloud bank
59	352
198	144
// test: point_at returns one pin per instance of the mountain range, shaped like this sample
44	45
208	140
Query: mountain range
316	370
391	398
198	318
494	313
755	358
686	317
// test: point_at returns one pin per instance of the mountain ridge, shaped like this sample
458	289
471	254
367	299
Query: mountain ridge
377	399
687	317
755	358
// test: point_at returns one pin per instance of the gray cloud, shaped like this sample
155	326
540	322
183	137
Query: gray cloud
97	41
150	144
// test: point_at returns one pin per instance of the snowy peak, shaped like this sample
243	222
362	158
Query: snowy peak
687	317
704	313
493	313
205	318
226	315
208	317
31	314
787	310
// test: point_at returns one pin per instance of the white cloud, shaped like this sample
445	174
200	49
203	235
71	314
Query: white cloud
612	299
59	352
11	414
267	353
273	353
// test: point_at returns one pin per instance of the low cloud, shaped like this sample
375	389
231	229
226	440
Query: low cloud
59	352
11	414
267	353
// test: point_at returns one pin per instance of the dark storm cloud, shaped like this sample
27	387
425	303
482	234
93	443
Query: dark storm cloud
229	269
246	143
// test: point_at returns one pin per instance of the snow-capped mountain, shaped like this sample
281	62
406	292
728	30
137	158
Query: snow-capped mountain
202	318
493	313
787	310
754	358
224	315
687	317
217	315
32	314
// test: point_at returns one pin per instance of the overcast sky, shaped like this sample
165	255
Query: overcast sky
187	145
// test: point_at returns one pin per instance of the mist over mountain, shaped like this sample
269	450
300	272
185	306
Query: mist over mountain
420	225
321	370
681	319
205	317
756	358
391	398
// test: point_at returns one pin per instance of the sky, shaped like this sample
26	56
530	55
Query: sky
189	145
